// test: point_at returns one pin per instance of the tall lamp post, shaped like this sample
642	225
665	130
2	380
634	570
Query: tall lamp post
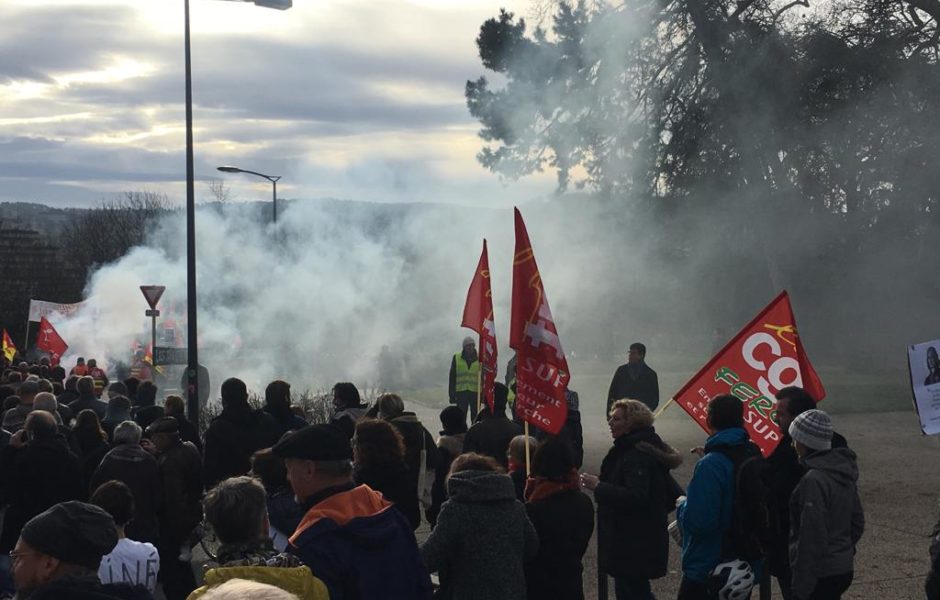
192	359
272	178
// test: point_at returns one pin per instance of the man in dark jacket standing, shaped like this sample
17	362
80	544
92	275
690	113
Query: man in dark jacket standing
635	380
493	432
782	472
826	518
277	404
236	434
38	471
87	398
181	481
350	537
133	466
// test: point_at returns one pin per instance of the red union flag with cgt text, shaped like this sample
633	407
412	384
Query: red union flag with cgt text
541	368
478	316
765	357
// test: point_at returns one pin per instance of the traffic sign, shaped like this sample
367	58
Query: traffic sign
163	355
152	293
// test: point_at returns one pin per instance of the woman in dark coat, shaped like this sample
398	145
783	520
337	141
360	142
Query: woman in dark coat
634	496
563	517
378	461
92	441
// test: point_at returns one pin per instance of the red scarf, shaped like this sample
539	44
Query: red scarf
539	488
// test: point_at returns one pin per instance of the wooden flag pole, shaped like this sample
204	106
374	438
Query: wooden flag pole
660	410
528	458
480	388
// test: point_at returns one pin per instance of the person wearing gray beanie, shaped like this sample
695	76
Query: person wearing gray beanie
826	517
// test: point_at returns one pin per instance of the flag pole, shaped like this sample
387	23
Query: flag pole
528	459
660	410
26	340
479	387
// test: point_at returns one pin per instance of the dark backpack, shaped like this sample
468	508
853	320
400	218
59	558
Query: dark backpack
751	531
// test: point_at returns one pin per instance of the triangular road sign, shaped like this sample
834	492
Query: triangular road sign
152	293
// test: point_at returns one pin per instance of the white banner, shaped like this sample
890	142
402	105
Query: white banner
39	309
924	362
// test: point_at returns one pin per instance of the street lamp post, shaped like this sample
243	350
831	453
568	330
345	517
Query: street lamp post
192	359
272	178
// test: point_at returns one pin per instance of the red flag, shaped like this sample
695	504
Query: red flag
50	341
766	356
478	316
542	370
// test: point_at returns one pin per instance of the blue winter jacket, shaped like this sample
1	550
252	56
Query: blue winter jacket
706	513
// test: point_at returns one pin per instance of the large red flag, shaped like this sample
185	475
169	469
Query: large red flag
541	370
49	341
478	316
766	356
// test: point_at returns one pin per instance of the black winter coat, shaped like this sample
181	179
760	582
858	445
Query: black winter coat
89	588
565	523
491	436
632	511
36	477
181	479
394	482
232	438
138	470
640	383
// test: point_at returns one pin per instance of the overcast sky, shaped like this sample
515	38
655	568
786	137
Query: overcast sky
357	99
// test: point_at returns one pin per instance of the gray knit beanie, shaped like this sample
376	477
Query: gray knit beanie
813	429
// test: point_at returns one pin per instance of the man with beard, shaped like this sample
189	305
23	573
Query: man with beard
464	385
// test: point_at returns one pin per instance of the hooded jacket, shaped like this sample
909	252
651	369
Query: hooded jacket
232	437
632	505
482	539
706	513
826	519
361	547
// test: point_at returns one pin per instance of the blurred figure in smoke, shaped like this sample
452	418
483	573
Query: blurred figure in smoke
175	407
79	370
348	408
237	433
98	374
933	365
87	398
140	368
277	404
464	381
635	380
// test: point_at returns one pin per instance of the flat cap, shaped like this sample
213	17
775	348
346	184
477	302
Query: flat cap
164	425
315	442
75	532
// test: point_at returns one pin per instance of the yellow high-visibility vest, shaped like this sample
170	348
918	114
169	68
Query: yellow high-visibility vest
467	379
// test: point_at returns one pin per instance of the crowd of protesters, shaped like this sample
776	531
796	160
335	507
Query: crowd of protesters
107	489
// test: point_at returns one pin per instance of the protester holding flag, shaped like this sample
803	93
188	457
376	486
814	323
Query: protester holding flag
634	495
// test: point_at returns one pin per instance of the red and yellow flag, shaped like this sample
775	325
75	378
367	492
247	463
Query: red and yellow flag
9	349
478	316
763	358
541	370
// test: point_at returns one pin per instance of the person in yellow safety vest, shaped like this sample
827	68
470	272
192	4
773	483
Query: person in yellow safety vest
98	374
464	381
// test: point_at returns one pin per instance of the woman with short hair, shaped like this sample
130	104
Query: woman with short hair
634	496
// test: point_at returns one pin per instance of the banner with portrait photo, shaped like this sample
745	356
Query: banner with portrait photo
924	364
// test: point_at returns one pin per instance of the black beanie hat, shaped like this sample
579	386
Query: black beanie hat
75	532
